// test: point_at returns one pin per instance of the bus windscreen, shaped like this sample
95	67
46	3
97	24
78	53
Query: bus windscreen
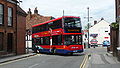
72	40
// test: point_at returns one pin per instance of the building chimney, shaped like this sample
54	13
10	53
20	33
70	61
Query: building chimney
95	22
36	11
102	18
29	12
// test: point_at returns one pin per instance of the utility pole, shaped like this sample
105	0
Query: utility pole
63	27
63	20
88	17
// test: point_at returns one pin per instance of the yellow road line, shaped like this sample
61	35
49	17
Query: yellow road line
15	60
84	61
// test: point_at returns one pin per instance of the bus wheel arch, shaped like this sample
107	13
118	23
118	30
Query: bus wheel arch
53	50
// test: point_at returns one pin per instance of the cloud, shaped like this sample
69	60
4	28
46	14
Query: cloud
98	8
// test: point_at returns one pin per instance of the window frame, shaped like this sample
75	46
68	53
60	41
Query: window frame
55	24
72	22
2	14
72	40
57	40
46	40
11	17
40	28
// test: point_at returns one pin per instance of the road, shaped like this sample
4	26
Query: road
100	59
47	61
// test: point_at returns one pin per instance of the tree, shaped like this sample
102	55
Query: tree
86	27
115	25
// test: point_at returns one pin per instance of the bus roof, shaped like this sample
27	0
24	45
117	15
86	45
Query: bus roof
54	20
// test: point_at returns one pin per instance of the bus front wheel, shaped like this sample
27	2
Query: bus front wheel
70	53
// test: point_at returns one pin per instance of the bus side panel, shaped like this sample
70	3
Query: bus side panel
62	48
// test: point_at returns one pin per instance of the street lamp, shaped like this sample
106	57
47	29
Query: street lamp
88	17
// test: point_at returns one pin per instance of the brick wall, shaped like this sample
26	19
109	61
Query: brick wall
21	30
18	29
5	29
21	34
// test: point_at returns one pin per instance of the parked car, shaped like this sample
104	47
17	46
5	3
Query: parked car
106	43
93	42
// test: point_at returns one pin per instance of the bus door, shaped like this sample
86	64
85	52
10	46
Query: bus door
50	44
55	42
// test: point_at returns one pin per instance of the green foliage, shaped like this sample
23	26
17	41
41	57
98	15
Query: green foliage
115	25
86	27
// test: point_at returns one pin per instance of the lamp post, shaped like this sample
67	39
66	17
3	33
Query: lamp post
88	17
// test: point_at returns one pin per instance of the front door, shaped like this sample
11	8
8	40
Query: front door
1	41
9	42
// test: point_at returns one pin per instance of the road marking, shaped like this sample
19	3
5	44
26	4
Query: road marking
84	61
16	60
33	66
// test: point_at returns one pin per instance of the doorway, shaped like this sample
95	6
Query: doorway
9	42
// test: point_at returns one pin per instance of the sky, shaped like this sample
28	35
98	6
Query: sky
98	8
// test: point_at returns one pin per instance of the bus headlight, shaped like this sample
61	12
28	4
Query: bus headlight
74	47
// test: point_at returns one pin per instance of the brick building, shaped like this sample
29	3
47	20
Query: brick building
21	26
9	24
33	19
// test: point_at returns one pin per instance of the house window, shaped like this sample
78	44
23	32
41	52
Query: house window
10	16
106	31
1	14
1	41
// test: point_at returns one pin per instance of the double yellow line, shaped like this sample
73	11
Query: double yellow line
84	61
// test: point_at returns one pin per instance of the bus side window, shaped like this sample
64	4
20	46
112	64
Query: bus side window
60	40
57	40
80	39
37	41
46	41
57	24
41	40
50	25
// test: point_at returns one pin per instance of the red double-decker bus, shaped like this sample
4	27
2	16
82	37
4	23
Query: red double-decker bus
60	35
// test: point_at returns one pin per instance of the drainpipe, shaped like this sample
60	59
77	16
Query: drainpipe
16	27
17	3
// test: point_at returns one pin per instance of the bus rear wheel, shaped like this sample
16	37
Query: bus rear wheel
53	51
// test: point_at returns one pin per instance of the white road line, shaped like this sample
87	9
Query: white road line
33	66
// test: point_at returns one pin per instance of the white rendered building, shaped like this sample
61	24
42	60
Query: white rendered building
100	31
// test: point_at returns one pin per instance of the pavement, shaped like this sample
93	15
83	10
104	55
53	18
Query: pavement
100	58
11	58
